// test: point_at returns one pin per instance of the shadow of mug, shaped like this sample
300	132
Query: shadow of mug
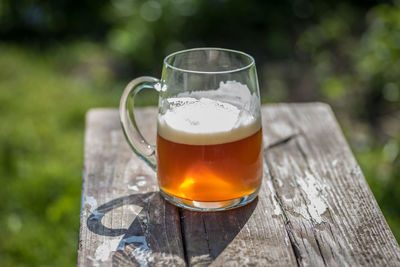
204	233
208	234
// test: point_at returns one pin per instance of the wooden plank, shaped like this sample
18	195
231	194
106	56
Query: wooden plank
124	220
314	207
253	235
330	213
247	236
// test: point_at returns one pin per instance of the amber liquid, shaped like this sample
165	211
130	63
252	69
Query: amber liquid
210	172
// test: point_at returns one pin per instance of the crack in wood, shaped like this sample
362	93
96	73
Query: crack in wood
205	231
336	242
312	221
312	228
305	158
281	141
302	239
182	227
318	245
303	153
293	243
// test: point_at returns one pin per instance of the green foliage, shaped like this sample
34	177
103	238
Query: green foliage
381	166
360	77
41	139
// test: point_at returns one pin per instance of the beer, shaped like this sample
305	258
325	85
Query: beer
208	150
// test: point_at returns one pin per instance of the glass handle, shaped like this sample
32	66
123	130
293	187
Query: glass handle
139	145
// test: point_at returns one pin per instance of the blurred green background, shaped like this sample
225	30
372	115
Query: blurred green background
60	58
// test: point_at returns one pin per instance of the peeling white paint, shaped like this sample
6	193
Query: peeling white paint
104	250
302	211
141	253
92	202
94	262
83	212
316	205
334	162
292	184
287	200
356	171
89	203
297	206
141	183
200	260
287	241
133	187
145	182
277	209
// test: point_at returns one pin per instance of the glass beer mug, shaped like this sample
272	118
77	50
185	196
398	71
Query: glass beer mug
208	154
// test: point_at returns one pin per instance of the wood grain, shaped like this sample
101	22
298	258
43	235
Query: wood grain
124	220
329	211
314	207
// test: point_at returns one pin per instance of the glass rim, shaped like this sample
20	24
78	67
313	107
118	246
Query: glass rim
168	65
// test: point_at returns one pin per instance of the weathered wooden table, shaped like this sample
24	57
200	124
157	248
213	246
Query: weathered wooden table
314	208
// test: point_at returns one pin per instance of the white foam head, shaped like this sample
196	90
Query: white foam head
205	122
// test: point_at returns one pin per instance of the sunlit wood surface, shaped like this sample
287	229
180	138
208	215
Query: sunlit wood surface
314	208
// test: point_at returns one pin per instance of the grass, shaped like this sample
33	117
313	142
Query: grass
42	107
